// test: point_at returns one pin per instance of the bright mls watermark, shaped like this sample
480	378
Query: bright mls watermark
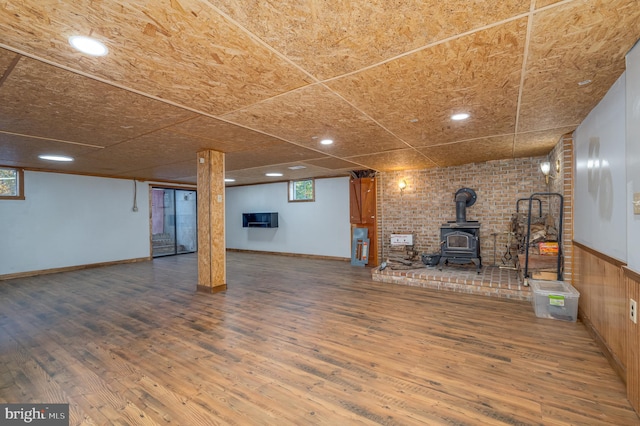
34	414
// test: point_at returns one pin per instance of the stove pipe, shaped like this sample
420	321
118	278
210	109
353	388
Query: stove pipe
465	197
461	207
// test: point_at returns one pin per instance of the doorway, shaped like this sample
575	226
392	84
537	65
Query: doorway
173	221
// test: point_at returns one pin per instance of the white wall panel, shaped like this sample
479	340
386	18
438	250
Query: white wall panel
633	156
317	228
600	179
69	220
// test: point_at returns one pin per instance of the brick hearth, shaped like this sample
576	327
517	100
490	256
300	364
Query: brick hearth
491	281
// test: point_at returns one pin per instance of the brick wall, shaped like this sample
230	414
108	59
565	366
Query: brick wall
428	201
562	183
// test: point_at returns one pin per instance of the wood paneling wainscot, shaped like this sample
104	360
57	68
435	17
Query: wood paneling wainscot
606	286
603	303
632	281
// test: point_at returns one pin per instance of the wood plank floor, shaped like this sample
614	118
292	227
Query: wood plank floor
292	341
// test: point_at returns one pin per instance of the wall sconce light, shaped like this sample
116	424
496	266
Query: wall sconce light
545	167
557	166
402	185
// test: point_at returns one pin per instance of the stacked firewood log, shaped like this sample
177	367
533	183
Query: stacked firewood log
543	229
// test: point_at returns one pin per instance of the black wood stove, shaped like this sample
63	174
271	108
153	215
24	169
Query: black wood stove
460	239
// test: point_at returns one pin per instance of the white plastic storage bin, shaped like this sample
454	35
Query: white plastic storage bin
555	299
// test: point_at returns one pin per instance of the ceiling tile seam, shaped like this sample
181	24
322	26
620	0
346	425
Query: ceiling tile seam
429	45
51	139
448	39
7	72
389	151
301	161
515	135
523	72
261	101
138	92
260	41
133	170
75	173
376	122
166	101
103	80
466	140
147	133
341	98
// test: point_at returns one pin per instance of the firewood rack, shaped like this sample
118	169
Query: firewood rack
527	237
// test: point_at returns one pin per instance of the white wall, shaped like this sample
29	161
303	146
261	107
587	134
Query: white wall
69	220
600	220
317	228
633	156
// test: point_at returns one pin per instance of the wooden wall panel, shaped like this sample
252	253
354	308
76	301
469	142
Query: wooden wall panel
632	281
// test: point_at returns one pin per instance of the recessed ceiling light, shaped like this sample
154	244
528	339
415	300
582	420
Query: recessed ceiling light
326	141
296	167
88	45
460	116
229	180
584	82
273	174
413	120
63	158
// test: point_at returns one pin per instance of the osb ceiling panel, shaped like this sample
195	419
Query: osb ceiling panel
152	149
334	163
273	156
182	51
402	159
603	31
543	3
257	175
265	81
535	144
38	99
183	171
478	74
6	59
334	37
224	136
473	151
308	115
22	151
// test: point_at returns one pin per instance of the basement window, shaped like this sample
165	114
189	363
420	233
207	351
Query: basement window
302	190
11	183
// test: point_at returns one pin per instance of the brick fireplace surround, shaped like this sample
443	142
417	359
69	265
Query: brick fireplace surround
492	281
428	201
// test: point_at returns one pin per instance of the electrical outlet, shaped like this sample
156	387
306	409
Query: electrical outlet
633	311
